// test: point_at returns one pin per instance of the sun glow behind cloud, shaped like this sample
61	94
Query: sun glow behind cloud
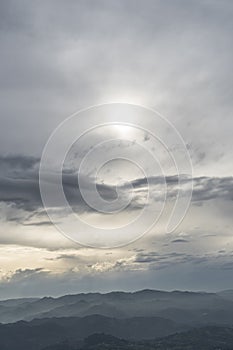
176	57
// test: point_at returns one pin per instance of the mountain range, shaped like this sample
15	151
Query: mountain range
192	308
147	315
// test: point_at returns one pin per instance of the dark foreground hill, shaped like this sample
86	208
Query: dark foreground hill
208	338
37	334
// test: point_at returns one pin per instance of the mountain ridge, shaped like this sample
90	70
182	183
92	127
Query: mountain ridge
144	303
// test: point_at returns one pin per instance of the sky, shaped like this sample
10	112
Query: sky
60	57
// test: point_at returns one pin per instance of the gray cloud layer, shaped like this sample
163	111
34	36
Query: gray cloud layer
19	186
176	56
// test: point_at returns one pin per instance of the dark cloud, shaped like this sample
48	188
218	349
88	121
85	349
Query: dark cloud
14	162
19	186
163	260
206	188
179	240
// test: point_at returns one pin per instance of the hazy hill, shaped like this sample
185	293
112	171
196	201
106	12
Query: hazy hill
226	294
186	307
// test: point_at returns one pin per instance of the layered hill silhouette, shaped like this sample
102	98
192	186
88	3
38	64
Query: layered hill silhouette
40	323
183	307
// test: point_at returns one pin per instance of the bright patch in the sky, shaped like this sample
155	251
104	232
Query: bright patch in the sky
124	131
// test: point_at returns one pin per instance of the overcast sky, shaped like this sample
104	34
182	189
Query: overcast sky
58	57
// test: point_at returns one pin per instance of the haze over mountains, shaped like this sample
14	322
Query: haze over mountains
183	307
148	314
